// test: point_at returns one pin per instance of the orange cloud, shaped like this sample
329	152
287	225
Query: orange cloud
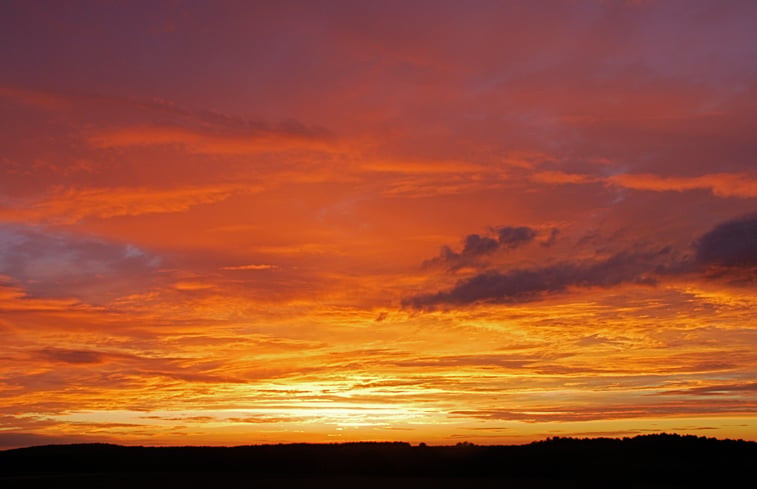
252	267
206	142
527	159
738	185
404	166
720	184
561	177
72	205
178	270
37	98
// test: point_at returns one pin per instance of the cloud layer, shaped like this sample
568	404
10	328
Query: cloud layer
518	285
731	245
212	216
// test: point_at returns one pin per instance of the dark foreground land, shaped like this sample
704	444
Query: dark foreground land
652	461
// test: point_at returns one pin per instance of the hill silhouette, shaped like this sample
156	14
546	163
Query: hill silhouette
648	461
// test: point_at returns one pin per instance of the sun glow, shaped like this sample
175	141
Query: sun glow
376	223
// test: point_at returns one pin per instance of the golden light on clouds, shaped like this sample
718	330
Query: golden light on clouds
377	229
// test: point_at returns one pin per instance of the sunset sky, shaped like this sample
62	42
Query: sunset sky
241	222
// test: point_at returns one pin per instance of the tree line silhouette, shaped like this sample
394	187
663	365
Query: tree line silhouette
662	460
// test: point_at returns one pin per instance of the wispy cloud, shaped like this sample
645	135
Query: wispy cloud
720	184
262	266
69	205
208	142
735	185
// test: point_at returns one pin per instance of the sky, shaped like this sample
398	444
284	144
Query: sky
241	222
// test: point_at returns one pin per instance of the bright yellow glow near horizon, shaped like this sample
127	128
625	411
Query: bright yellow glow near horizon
228	224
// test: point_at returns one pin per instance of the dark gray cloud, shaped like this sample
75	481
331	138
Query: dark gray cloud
525	284
476	246
729	248
512	237
731	244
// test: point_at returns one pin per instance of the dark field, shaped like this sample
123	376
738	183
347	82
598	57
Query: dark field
236	480
655	461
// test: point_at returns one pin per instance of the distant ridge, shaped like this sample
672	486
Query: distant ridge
661	460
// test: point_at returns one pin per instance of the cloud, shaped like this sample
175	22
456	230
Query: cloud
513	237
561	177
527	159
429	184
476	246
507	360
420	167
251	267
731	244
71	356
14	299
738	185
36	98
525	284
715	390
551	238
201	119
209	142
598	412
42	261
730	248
720	184
66	206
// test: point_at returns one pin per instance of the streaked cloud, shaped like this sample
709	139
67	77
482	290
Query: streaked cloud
74	204
262	266
207	142
720	184
376	221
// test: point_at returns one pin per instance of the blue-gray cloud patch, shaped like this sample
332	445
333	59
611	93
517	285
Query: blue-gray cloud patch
730	244
50	263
